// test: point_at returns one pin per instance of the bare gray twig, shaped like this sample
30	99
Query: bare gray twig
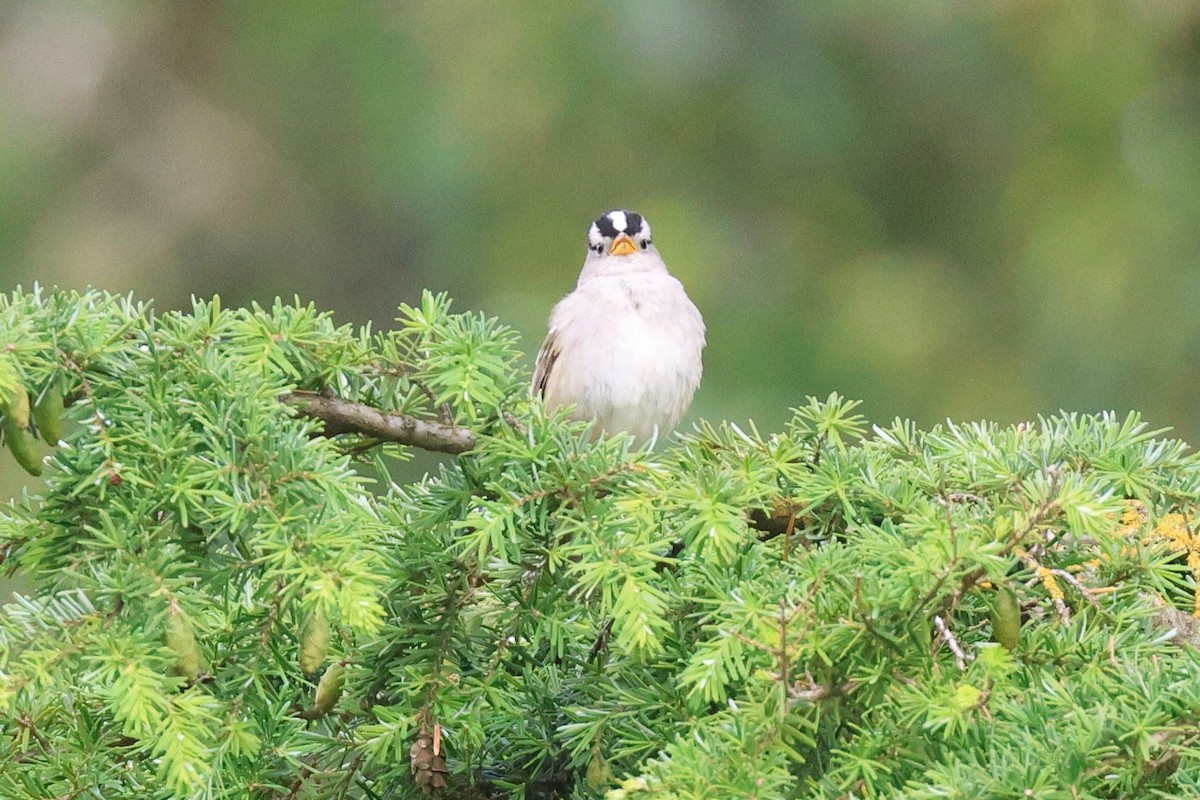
951	641
344	416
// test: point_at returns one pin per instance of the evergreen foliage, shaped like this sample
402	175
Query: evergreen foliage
230	606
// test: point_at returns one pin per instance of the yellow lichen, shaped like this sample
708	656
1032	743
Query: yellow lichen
1050	582
1177	532
1044	574
1132	518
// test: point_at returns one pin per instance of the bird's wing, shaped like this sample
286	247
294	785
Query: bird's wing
545	363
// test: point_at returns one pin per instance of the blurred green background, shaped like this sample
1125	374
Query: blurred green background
966	209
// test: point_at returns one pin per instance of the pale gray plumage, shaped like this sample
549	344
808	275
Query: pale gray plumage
624	347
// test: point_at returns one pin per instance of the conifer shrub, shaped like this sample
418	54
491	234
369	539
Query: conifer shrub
233	599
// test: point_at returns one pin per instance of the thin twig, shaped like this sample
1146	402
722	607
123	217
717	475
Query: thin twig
787	535
812	692
1088	594
951	641
601	641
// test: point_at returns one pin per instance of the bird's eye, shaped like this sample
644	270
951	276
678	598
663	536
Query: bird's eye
646	244
599	248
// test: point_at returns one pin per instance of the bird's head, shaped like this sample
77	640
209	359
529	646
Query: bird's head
619	233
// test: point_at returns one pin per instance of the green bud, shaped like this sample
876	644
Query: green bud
329	688
23	446
1006	617
182	640
48	413
599	773
314	641
17	409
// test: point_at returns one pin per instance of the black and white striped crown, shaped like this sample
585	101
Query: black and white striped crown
611	224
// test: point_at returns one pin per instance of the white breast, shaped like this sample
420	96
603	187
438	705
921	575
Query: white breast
628	352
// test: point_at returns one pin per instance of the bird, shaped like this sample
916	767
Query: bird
624	348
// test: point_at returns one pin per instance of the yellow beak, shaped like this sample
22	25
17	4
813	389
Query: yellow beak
622	246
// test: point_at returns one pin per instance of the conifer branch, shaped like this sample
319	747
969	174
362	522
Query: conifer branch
465	607
345	416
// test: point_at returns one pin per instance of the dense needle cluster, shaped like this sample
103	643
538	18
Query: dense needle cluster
225	604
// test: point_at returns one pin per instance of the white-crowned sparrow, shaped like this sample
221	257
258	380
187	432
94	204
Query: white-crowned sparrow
624	347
